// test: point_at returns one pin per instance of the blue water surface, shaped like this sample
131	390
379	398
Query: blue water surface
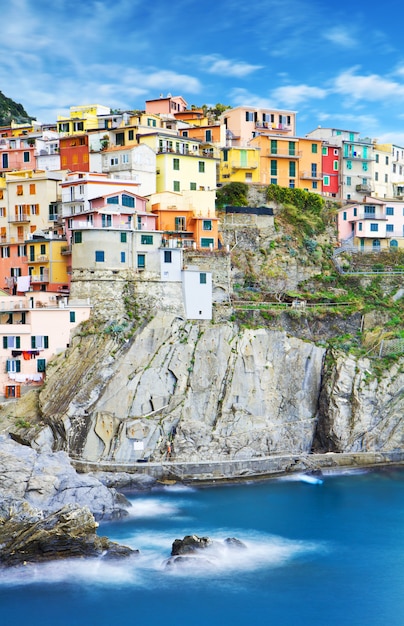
316	554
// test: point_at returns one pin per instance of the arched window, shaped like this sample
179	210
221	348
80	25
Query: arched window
394	243
376	244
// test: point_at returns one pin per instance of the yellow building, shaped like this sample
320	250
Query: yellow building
181	165
241	165
32	198
279	160
81	118
310	165
46	264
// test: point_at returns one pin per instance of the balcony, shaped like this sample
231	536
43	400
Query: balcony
363	188
311	175
272	126
283	155
41	258
244	166
19	218
42	278
66	250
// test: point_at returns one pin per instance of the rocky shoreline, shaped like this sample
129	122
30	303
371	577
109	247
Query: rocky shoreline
49	510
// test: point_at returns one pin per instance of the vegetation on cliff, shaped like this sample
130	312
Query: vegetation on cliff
10	110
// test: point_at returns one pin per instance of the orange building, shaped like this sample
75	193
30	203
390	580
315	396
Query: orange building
74	153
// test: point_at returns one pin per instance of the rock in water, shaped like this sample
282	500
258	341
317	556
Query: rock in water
27	535
189	545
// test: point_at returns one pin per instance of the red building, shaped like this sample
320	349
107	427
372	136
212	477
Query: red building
331	165
74	153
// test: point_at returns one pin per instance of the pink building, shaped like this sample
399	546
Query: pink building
17	153
372	225
33	329
166	106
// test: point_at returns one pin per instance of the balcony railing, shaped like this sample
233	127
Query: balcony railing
311	175
19	217
42	278
244	166
363	188
273	126
283	155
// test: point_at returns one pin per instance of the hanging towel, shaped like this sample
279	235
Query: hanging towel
23	283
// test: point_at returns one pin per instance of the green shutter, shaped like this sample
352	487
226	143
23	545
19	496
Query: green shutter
18	366
17	342
5	342
33	342
46	341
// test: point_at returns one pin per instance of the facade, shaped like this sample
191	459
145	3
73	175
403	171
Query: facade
181	164
310	173
74	153
244	123
331	166
381	171
166	106
397	171
241	165
17	153
33	329
186	220
372	225
137	163
81	119
197	294
356	161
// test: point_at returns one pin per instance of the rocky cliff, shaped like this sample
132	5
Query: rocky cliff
198	391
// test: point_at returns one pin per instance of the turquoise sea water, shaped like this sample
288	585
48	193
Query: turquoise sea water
324	554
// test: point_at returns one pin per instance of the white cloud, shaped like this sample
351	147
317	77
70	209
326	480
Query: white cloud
292	95
241	97
373	88
214	64
341	36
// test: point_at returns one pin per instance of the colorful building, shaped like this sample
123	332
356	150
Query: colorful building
372	225
242	165
81	119
244	123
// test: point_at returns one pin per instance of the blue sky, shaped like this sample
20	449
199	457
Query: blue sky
339	66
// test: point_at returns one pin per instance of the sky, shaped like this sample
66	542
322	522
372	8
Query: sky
337	65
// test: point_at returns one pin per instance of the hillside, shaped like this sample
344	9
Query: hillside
10	110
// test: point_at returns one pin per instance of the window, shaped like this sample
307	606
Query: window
192	186
387	160
176	185
113	161
274	168
314	185
344	216
11	342
77	236
120	139
389	210
123	257
106	221
43	249
99	256
292	148
360	225
374	228
72	316
207	224
123	238
314	148
326	181
274	181
22	250
291	183
355	211
39	341
128	201
208	135
292	168
13	365
274	146
131	135
125	158
32	189
349	165
151	121
26	157
225	155
206	242
185	133
324	151
201	166
113	200
4	160
168	256
141	261
176	164
146	239
41	365
390	228
20	190
248	177
180	223
335	166
376	158
386	178
34	208
202	278
376	176
249	116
